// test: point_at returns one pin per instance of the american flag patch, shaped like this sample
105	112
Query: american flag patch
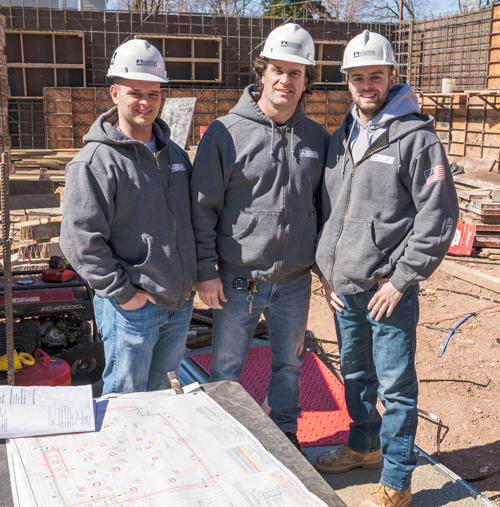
436	173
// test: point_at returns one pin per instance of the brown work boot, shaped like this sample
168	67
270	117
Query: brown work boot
385	497
342	459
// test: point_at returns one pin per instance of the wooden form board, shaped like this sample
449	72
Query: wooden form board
18	202
70	112
30	187
471	275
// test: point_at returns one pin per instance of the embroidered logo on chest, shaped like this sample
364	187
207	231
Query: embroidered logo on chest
178	167
306	153
382	158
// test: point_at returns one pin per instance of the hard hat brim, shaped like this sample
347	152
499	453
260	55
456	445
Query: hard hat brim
139	76
283	57
374	63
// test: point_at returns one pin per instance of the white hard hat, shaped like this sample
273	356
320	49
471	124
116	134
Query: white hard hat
368	48
289	43
138	59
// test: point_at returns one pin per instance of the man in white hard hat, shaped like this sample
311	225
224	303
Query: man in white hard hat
127	229
389	212
255	176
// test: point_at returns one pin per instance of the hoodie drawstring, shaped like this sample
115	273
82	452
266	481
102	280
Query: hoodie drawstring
291	141
399	155
272	141
344	161
136	154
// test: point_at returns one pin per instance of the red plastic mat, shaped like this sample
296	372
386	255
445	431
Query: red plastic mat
324	419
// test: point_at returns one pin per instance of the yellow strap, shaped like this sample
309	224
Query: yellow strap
26	358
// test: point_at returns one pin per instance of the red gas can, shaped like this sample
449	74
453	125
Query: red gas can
47	371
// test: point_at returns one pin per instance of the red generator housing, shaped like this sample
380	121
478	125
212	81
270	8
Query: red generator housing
52	311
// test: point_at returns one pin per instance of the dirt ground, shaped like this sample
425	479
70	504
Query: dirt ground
462	387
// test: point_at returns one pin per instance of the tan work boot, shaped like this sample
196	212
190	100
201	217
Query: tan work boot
342	459
385	497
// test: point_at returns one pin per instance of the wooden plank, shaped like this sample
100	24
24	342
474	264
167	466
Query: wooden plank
471	275
472	165
46	231
35	201
30	187
28	223
479	180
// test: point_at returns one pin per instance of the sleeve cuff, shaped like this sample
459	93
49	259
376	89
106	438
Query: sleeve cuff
317	271
205	274
399	282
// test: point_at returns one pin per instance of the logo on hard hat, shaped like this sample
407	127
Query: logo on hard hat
113	58
292	45
146	63
363	53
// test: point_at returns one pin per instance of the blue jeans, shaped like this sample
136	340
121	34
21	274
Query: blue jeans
285	308
379	358
141	346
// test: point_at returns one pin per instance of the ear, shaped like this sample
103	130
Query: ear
392	79
113	90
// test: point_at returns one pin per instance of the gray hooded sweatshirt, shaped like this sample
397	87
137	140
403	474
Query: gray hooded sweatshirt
126	218
389	205
252	194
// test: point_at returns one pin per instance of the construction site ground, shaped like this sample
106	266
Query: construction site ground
462	386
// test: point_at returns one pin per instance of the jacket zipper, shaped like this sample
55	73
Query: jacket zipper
169	209
283	139
349	203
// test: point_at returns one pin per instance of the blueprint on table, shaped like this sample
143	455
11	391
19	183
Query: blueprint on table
157	451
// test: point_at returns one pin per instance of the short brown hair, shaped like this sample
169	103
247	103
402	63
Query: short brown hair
260	65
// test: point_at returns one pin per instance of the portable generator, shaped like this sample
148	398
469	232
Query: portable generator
53	312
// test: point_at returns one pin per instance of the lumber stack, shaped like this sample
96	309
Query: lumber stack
40	164
36	214
479	203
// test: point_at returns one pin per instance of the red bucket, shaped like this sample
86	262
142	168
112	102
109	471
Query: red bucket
203	129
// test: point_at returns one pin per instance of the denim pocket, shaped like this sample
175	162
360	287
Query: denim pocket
98	306
135	310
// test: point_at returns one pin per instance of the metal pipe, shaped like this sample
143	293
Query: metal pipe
7	267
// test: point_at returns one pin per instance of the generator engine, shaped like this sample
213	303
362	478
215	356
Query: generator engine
52	309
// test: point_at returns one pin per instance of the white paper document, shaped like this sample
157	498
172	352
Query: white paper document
44	410
161	451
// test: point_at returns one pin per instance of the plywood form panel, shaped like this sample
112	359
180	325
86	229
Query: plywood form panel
473	151
316	107
457	149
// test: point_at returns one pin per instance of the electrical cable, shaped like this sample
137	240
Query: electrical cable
314	339
458	316
455	380
483	478
440	425
471	295
448	338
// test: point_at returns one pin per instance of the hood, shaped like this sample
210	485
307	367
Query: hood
401	101
247	108
103	131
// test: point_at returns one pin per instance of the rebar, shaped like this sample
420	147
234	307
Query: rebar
7	267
